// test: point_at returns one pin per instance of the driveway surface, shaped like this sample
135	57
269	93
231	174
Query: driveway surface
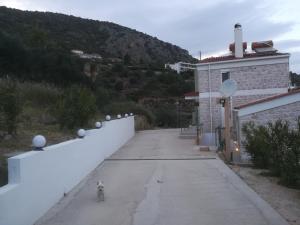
159	179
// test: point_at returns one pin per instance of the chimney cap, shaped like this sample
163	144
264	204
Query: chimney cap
237	25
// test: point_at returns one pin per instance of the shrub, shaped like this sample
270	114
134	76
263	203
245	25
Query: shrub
10	106
290	161
278	141
119	86
103	97
275	147
256	144
3	171
290	168
39	94
141	123
76	107
166	116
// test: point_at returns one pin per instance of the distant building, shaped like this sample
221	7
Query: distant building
77	52
83	55
91	65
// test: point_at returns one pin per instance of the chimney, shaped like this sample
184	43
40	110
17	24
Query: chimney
238	41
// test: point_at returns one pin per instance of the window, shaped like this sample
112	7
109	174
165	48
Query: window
225	76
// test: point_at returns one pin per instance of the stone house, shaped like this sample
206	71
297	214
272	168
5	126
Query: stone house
283	106
259	74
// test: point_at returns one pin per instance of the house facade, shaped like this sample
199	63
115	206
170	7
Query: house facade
259	74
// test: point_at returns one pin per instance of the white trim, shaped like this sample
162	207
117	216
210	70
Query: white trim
258	61
225	71
269	104
247	92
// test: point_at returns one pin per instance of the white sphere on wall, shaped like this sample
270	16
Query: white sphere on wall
98	124
108	117
119	116
38	142
126	115
131	114
81	133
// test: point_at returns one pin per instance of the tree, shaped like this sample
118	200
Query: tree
76	107
295	79
127	59
10	106
37	37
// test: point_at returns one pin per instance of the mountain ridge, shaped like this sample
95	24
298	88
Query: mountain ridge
56	30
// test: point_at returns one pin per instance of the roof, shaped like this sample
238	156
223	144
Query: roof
192	94
246	56
268	99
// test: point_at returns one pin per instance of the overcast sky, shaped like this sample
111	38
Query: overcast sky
192	24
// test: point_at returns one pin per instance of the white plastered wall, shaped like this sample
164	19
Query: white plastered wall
39	179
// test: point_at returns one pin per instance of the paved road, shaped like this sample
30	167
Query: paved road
158	179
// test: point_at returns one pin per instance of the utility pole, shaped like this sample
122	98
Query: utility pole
228	88
197	123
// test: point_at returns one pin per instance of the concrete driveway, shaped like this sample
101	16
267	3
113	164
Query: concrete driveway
159	179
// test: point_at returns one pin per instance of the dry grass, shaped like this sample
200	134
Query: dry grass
32	121
22	142
285	200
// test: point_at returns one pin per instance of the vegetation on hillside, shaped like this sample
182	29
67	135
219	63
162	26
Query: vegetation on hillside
295	79
45	30
47	89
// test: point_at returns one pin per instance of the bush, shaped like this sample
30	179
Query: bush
3	171
166	116
275	147
141	123
103	97
290	161
10	106
119	86
256	144
76	107
278	141
290	168
39	94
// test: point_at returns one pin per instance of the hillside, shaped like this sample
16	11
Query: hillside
36	46
47	89
43	82
53	30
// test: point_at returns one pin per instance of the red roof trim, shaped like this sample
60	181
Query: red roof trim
191	94
268	99
246	56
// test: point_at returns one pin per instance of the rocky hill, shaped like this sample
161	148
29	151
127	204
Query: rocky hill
53	30
114	66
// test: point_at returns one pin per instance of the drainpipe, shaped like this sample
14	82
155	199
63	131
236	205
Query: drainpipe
210	110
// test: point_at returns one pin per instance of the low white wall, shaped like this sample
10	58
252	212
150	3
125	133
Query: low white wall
39	179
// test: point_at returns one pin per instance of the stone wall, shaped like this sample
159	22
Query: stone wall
205	119
288	112
247	77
